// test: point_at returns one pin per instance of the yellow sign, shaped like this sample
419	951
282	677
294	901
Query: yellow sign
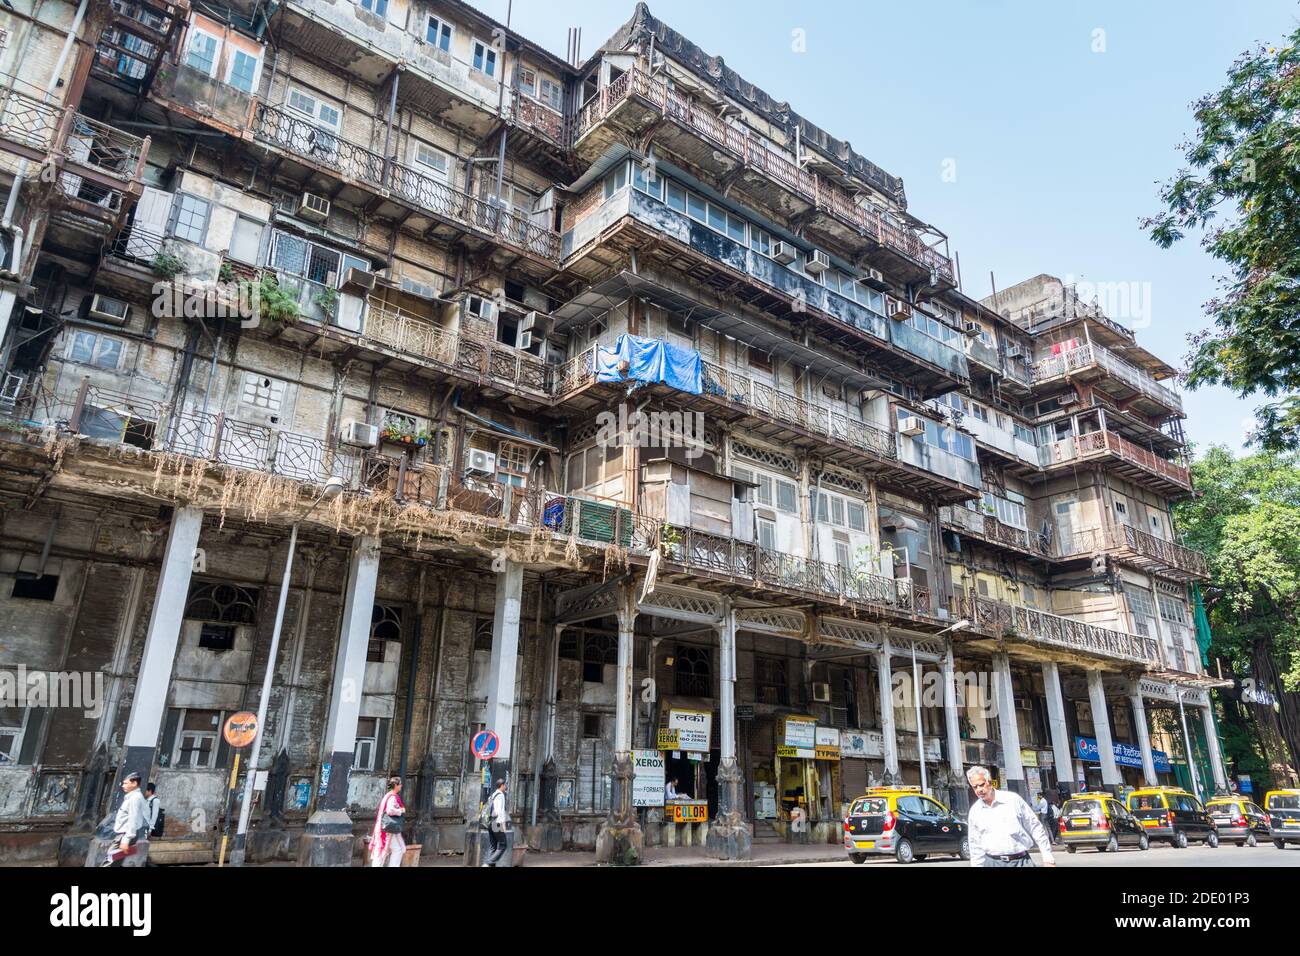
803	753
1029	758
828	753
666	740
687	812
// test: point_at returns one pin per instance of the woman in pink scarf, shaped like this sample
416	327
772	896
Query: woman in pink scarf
386	849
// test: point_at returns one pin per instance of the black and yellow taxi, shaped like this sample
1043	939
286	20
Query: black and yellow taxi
1283	809
1239	821
1099	820
1173	814
904	822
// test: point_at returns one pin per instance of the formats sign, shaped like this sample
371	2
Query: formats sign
647	778
686	730
1126	755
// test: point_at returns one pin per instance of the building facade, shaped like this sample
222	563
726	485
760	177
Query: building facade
668	448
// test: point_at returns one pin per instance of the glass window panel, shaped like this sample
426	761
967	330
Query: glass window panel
695	207
717	218
676	197
243	71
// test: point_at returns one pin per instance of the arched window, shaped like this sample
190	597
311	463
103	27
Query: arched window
694	672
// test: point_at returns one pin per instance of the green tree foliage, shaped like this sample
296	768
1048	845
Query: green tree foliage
1246	518
1241	191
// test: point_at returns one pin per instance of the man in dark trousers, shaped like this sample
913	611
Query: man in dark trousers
498	824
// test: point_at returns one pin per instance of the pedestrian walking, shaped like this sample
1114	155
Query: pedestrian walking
155	815
1001	827
1044	811
386	842
1054	821
130	820
498	824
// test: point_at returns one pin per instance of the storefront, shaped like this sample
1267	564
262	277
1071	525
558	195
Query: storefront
1128	760
1040	771
684	739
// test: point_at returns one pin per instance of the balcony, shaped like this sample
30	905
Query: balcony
740	562
989	529
633	219
1093	362
1139	548
787	420
1038	627
1128	459
939	461
999	439
338	158
636	99
203	98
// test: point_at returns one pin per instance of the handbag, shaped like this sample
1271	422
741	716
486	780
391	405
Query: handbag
391	824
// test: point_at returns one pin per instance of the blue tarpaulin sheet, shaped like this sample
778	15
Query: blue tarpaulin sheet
649	360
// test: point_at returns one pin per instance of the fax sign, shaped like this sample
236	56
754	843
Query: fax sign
484	745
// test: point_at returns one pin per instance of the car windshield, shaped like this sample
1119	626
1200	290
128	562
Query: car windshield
1147	801
1284	801
1222	806
869	806
1081	807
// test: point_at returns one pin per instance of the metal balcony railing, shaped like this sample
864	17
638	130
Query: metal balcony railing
1004	620
1102	442
81	142
1085	356
355	163
1140	545
822	193
988	528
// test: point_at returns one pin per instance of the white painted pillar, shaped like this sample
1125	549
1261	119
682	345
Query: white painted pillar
1212	742
1101	727
950	717
888	727
349	671
727	685
1013	770
149	700
1143	735
623	698
500	714
1062	755
1187	744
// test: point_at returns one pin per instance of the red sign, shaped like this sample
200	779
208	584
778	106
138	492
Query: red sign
484	745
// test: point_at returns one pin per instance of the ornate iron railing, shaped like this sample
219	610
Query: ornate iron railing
1085	356
1102	442
1005	620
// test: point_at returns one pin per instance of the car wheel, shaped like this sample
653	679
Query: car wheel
1144	842
1280	844
1180	840
903	852
1071	848
1212	840
964	852
1252	840
1112	845
858	857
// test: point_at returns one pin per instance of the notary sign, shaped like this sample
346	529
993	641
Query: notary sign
686	730
647	778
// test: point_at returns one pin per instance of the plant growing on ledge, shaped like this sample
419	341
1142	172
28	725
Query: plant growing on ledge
669	539
274	304
227	272
327	300
167	265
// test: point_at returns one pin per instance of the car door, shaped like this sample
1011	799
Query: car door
1258	819
919	826
944	826
1127	828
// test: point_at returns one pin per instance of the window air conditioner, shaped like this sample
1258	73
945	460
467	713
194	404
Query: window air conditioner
912	426
821	693
359	433
1014	351
898	309
110	310
973	329
784	253
313	207
817	263
482	462
359	280
875	279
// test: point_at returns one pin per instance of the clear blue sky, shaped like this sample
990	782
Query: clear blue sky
1057	149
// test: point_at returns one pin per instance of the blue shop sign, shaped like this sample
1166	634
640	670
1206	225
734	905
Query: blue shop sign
1126	755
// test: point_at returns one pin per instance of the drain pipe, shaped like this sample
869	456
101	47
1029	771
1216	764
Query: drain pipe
9	296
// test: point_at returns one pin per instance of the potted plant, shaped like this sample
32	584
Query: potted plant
669	539
400	433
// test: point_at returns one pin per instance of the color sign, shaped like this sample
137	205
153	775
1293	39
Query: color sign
647	778
686	812
1126	755
484	745
240	729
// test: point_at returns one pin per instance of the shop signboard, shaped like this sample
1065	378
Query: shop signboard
689	730
1029	758
827	743
694	812
1046	759
862	743
1126	755
799	732
647	778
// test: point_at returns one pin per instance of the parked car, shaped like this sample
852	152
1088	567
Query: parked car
1239	821
1283	808
902	821
1173	814
1101	821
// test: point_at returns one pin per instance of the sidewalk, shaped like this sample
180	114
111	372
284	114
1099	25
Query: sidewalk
771	854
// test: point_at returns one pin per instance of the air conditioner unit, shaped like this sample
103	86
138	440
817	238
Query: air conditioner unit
784	253
482	462
875	279
817	263
109	310
898	309
973	329
1014	352
359	280
359	433
912	425
1068	398
313	207
821	693
539	323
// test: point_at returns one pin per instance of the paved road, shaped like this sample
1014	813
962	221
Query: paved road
1227	855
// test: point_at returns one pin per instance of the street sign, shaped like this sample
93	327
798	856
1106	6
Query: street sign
240	729
484	745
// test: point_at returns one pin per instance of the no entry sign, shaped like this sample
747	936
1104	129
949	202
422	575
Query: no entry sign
484	745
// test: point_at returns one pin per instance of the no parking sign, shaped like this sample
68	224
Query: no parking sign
484	745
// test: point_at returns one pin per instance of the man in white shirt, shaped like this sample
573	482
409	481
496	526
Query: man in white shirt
670	790
130	820
499	824
1001	827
